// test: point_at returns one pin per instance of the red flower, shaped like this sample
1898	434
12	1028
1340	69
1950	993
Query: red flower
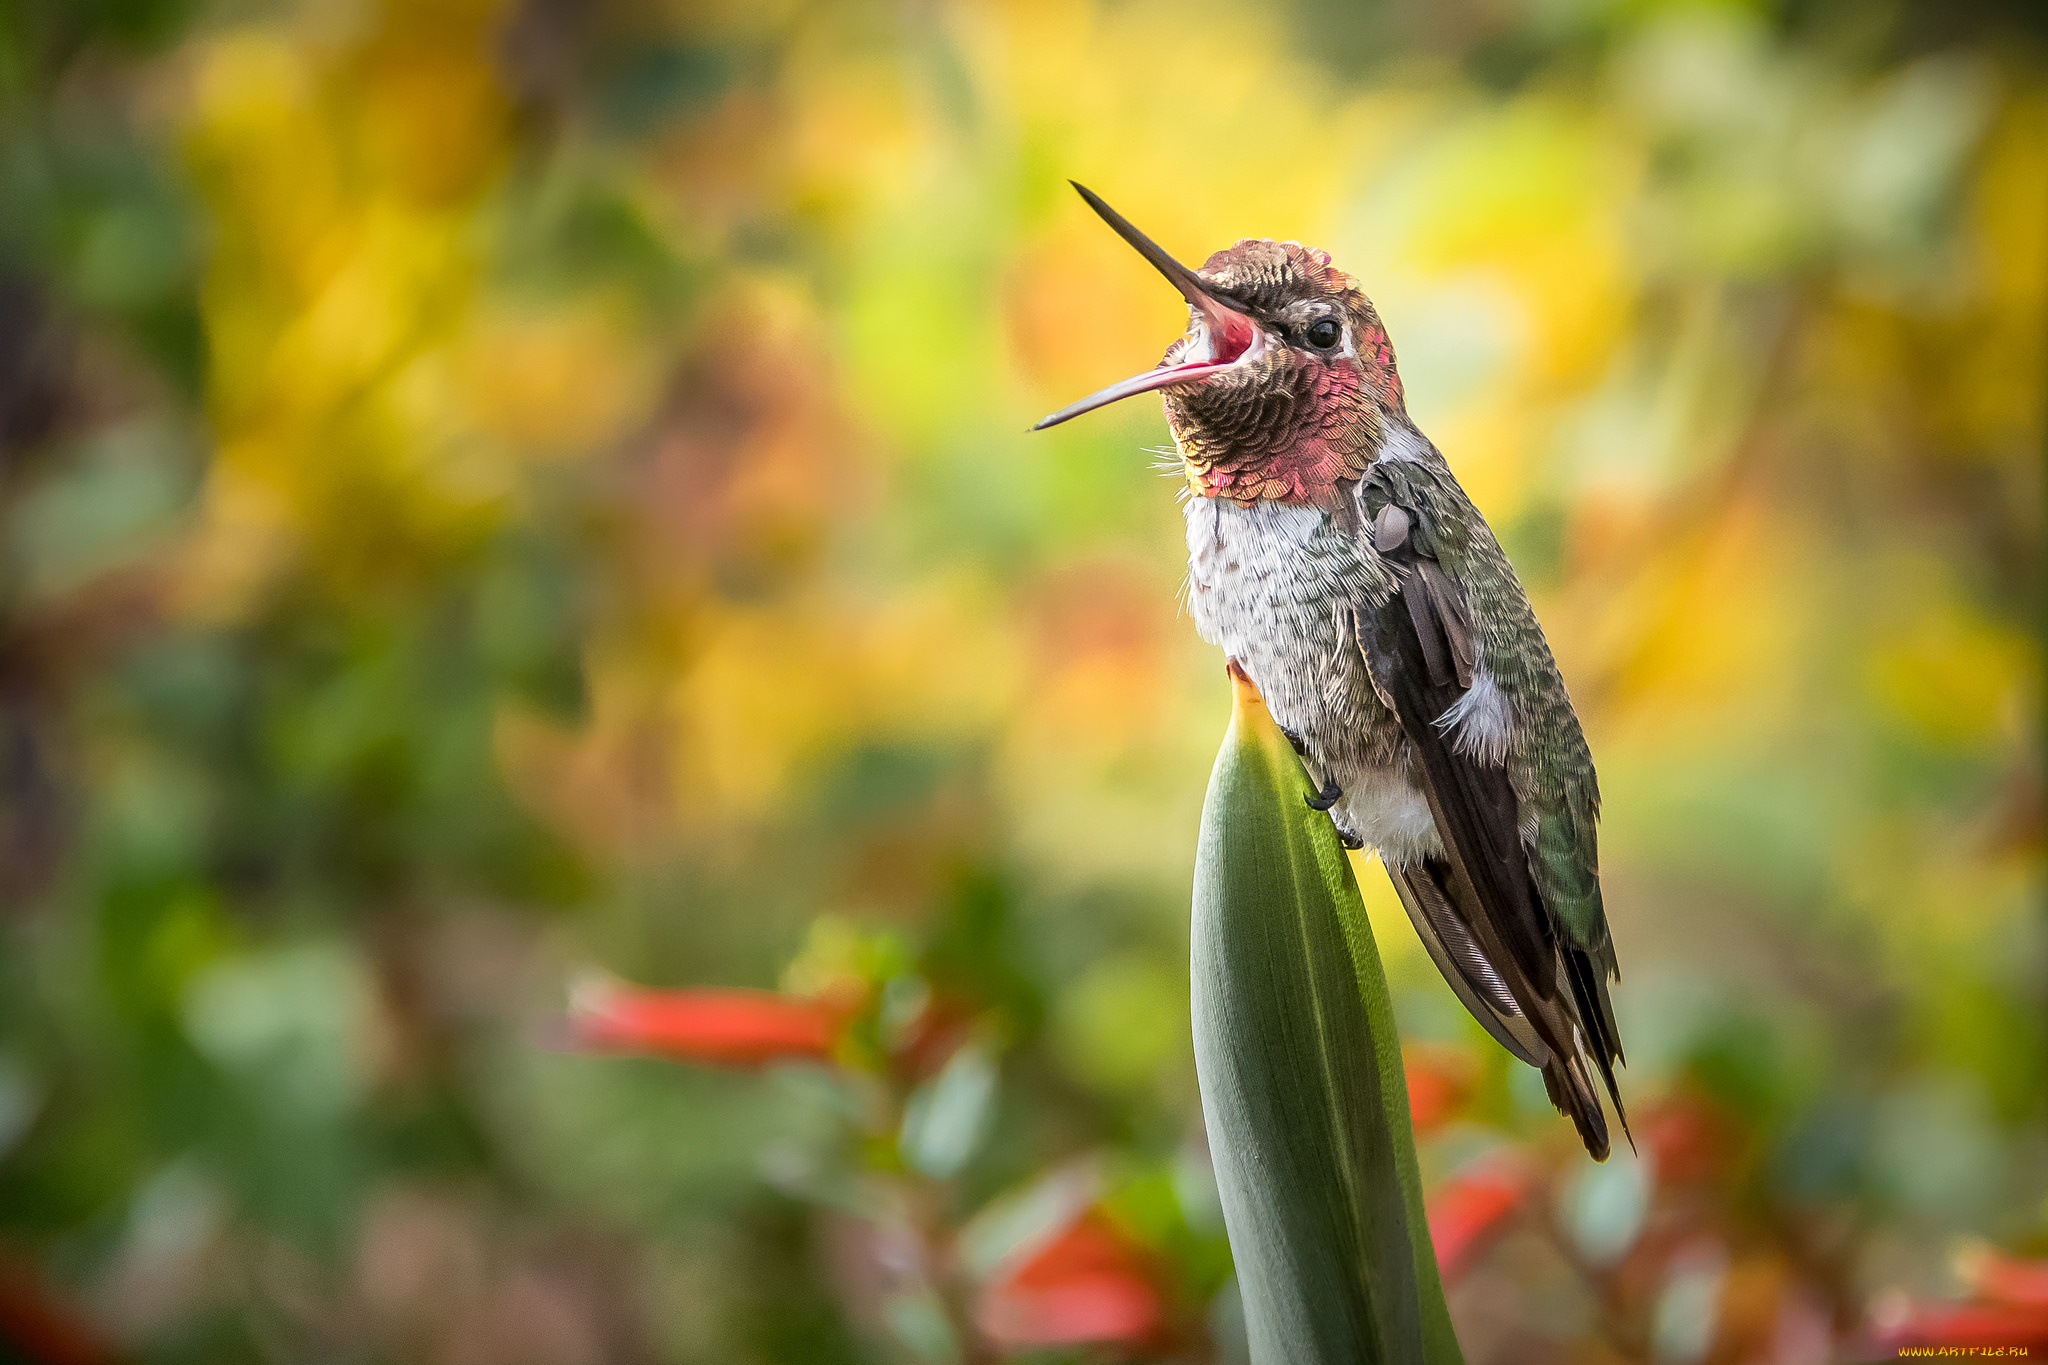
2010	1307
1994	1277
1438	1078
1088	1284
1967	1324
719	1027
1472	1205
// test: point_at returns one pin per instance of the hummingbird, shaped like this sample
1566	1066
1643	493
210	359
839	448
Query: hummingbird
1334	558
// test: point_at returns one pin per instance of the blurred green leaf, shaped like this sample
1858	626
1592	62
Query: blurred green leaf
947	1115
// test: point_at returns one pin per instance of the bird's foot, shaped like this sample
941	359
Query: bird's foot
1300	744
1329	796
1348	839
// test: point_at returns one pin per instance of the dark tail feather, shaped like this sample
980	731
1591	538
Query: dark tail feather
1571	1090
1596	1016
1561	1030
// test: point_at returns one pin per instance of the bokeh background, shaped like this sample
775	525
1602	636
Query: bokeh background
503	500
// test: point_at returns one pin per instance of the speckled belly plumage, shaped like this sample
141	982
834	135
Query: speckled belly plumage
1273	585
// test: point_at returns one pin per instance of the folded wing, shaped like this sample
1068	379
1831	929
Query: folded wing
1477	908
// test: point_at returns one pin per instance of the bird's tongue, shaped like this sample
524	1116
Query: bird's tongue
1230	332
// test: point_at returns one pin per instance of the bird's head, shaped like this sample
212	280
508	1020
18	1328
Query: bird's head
1284	383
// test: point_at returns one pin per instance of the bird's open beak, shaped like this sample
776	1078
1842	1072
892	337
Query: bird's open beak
1227	335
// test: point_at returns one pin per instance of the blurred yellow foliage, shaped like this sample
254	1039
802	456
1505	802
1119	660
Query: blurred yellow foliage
612	428
379	395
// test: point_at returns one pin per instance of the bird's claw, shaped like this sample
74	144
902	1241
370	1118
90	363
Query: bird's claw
1327	797
1349	840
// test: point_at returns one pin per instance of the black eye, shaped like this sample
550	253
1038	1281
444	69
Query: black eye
1324	333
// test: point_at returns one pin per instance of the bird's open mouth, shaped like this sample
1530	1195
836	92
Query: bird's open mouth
1228	338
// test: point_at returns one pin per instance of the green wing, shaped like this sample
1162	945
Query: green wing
1515	925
